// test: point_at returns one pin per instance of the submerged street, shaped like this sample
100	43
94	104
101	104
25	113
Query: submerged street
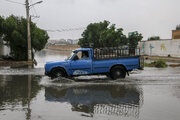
84	60
151	94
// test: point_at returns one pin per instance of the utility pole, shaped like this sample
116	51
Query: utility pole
28	25
28	32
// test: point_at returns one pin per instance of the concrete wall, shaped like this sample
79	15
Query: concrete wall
4	50
161	48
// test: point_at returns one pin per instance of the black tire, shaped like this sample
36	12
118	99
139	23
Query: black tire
56	73
117	72
108	75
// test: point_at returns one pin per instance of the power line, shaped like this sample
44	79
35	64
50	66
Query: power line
34	9
66	30
35	12
35	16
14	2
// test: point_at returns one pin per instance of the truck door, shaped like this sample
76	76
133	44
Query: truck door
81	64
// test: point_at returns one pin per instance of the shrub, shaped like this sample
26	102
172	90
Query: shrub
153	38
178	27
148	65
160	63
157	63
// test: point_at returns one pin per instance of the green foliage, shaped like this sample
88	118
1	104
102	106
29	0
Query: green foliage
39	38
1	27
102	35
153	38
15	36
160	63
134	38
147	65
178	27
112	37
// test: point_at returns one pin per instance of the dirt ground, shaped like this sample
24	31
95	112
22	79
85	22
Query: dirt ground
168	59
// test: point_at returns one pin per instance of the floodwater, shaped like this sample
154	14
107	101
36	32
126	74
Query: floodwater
26	94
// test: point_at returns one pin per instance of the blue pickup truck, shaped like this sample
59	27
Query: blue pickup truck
113	62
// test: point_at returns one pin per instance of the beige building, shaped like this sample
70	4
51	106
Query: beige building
175	34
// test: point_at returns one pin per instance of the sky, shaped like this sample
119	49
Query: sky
148	17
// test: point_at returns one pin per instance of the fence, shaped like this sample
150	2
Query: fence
115	52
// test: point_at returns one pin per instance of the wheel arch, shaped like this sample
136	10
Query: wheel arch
120	65
61	68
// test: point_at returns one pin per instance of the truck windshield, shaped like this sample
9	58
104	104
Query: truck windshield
70	57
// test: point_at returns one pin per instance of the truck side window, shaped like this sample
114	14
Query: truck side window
85	55
76	57
82	55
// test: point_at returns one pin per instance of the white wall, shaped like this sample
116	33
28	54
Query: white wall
4	50
161	48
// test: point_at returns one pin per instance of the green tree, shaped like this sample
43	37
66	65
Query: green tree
15	36
134	38
178	27
1	26
112	37
102	34
153	38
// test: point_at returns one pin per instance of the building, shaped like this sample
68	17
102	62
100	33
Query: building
164	47
4	50
62	41
175	34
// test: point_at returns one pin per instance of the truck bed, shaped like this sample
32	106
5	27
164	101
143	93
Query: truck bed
104	65
115	52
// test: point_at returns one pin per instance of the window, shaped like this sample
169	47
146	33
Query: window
81	55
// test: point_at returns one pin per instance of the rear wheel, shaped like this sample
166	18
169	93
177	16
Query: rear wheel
108	75
117	72
56	73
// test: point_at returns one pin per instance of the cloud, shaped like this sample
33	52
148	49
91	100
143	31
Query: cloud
150	17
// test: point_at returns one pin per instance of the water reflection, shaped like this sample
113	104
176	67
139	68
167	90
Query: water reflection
16	92
28	114
122	100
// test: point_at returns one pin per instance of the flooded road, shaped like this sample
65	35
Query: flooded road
26	94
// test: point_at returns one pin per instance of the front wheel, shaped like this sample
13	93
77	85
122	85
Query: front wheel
56	73
117	72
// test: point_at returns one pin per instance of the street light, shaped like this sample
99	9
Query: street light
35	3
28	28
28	25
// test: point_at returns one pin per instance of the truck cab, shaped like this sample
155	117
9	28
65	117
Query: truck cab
89	61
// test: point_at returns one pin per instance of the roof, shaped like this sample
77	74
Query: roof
83	49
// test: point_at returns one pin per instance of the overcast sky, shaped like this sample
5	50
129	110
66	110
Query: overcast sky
149	17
